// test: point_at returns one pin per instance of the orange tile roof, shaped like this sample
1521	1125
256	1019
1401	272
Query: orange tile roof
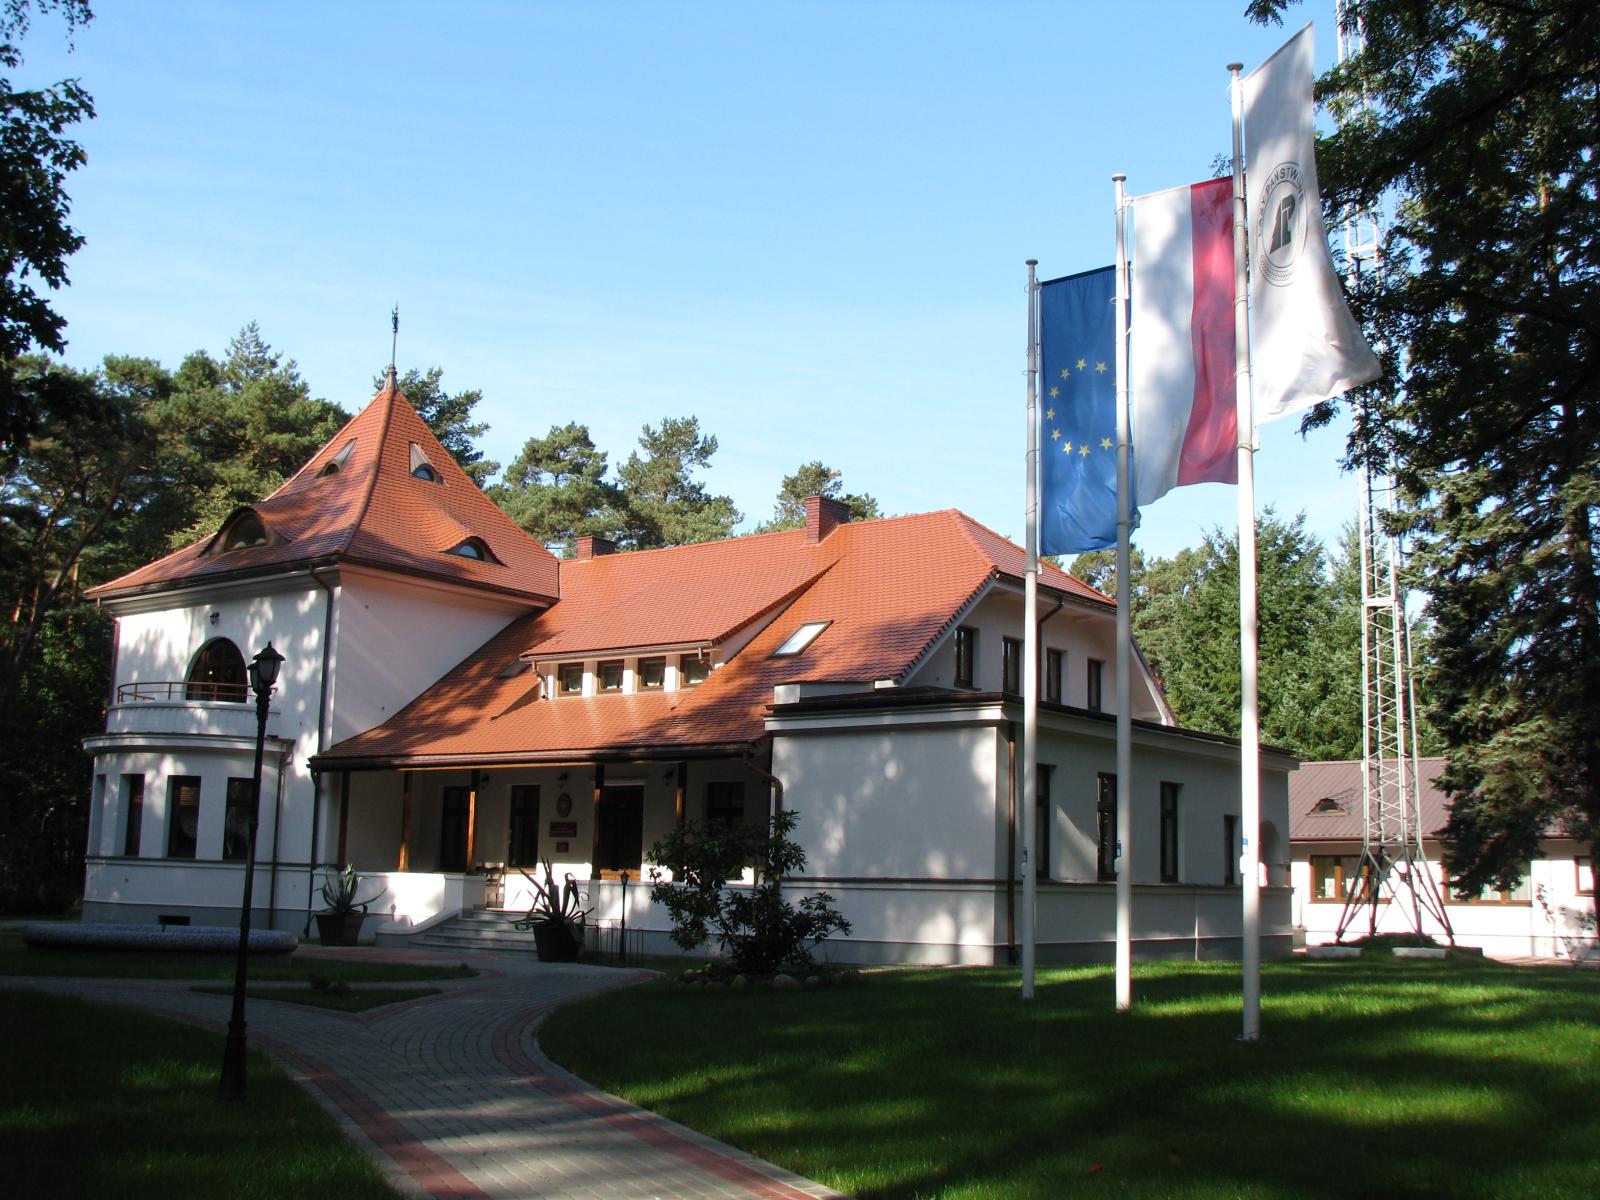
373	511
890	589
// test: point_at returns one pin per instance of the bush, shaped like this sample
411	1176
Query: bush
758	930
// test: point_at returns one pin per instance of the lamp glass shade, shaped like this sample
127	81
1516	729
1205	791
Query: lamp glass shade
264	669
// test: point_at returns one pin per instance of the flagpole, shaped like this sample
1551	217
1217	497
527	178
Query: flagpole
1124	859
1249	712
1030	651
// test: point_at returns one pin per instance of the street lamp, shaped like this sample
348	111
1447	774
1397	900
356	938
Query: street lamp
263	675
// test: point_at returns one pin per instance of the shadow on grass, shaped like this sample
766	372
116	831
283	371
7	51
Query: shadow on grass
1472	1081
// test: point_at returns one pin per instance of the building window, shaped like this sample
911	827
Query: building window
236	820
1169	832
966	655
1521	894
1585	868
1042	821
474	548
217	674
183	815
725	804
1332	876
522	843
609	675
652	674
1054	661
621	842
800	639
1106	828
133	805
421	468
455	811
1011	666
1230	849
692	670
1095	685
569	679
246	530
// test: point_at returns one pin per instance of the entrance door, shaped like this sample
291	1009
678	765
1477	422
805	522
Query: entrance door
522	843
621	830
453	829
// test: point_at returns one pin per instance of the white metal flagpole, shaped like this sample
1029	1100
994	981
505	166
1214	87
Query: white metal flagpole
1124	859
1249	712
1030	652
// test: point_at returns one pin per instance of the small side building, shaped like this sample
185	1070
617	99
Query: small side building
1551	913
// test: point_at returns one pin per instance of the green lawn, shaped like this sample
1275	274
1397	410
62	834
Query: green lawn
1383	1078
17	958
97	1101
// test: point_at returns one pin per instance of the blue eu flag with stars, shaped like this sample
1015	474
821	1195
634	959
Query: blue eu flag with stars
1078	411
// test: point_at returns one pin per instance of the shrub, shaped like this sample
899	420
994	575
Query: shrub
758	930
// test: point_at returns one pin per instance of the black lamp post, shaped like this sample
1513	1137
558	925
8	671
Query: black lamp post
263	675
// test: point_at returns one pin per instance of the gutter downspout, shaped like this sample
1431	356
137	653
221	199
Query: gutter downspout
322	723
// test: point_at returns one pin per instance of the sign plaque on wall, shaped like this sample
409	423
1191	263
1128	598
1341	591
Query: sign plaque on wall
563	829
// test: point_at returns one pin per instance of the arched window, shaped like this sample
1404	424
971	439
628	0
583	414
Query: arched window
336	464
218	673
244	531
474	547
421	468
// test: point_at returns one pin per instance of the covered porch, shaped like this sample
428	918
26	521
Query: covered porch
444	838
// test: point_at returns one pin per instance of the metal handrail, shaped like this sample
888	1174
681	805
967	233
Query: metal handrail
178	689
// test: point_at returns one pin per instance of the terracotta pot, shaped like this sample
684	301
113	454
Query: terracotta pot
340	929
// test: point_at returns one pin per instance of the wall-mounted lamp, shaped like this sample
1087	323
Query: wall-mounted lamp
215	617
561	778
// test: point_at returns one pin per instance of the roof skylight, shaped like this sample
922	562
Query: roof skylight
800	639
475	548
336	464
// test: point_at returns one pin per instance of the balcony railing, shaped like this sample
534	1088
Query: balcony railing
233	693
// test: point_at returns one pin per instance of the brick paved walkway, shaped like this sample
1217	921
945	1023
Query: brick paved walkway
452	1097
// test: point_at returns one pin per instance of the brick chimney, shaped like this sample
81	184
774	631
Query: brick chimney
589	546
822	516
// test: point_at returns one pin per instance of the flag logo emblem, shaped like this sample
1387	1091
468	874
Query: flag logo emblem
1281	224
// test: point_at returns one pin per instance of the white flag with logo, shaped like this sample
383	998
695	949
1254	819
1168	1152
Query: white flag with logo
1306	346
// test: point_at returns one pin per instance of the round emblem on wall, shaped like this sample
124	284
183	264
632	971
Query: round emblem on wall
1281	224
563	805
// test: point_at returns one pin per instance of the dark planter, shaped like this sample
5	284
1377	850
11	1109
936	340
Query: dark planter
340	929
555	942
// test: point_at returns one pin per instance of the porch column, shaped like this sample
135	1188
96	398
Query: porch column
594	848
682	790
405	822
472	818
344	816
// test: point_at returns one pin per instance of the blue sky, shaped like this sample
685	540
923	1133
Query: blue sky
804	223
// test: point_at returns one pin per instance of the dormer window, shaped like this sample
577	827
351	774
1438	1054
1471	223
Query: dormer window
421	468
336	464
1327	806
474	548
800	639
651	675
692	670
569	679
246	530
609	675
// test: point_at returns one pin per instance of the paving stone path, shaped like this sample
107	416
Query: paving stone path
452	1097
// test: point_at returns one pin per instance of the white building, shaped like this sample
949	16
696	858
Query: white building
457	704
1550	914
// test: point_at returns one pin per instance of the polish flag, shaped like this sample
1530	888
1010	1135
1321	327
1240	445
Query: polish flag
1180	340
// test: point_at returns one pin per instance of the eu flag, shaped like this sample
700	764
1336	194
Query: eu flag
1078	432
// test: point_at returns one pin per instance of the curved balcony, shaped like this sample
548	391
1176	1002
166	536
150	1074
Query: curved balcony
177	706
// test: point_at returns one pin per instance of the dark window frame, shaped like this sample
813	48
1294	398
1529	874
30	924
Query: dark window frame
1011	665
1094	685
1105	810
612	668
1230	849
1495	897
181	844
725	807
563	671
1044	820
1054	669
966	655
656	665
218	672
522	825
133	810
1169	831
616	801
236	829
1583	863
702	670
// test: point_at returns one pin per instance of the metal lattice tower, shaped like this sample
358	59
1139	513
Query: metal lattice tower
1394	867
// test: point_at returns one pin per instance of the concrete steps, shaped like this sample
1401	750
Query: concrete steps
479	929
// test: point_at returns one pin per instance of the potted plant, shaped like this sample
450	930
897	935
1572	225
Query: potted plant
556	917
339	923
